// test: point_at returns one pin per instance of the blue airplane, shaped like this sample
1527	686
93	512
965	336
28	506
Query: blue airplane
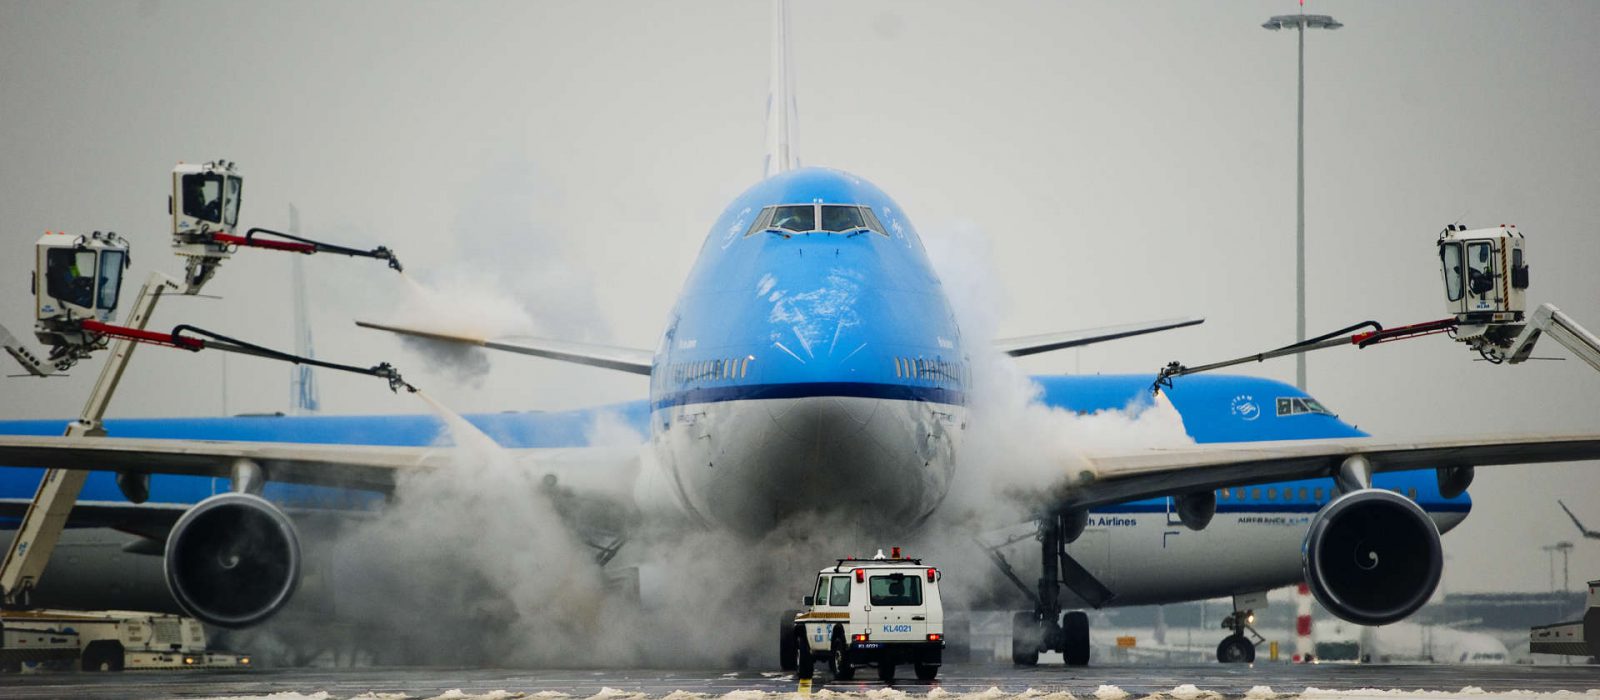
812	364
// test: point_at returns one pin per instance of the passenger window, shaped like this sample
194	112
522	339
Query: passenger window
1318	493
1302	493
796	217
822	591
1223	494
1411	492
1255	493
1272	494
841	591
840	219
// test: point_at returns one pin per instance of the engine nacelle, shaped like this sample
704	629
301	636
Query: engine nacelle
233	560
1073	524
1453	481
1196	509
1372	557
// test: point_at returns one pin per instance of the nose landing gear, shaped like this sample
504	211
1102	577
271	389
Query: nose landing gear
1236	648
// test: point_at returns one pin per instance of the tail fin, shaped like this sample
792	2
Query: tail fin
302	383
781	109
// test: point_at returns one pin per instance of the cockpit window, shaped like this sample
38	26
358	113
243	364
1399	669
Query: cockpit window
838	218
825	218
872	221
763	220
795	217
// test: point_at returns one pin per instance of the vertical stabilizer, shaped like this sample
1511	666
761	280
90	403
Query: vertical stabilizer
781	109
302	383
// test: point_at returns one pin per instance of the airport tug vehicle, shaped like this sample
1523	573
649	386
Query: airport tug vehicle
77	283
880	612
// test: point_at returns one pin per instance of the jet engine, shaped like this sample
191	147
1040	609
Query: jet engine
233	560
1372	557
1196	509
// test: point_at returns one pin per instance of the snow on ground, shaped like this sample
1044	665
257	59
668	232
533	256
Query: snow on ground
1104	692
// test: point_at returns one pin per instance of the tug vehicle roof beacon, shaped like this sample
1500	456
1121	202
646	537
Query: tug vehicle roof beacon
880	612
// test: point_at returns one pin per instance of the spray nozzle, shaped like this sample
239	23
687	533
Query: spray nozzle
387	371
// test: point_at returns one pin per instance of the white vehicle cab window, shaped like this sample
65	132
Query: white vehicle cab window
822	591
841	591
895	589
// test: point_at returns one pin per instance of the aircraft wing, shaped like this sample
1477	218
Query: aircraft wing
1105	479
1032	344
594	470
609	357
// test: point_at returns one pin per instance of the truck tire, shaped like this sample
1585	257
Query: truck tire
1024	639
104	655
805	663
926	672
1075	634
786	644
886	671
839	659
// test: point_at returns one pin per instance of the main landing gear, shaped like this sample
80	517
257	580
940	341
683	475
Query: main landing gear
1048	627
1236	648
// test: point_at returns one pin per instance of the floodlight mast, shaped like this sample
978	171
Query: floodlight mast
1300	22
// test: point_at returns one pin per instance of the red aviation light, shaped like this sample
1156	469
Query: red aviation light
931	574
861	575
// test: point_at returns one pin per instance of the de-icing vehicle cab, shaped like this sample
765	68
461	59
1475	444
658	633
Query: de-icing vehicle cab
879	612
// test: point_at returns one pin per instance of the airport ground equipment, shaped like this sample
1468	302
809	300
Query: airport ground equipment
77	284
1486	278
1576	638
880	612
205	213
111	640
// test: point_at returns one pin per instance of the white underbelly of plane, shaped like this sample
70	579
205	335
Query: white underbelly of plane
751	465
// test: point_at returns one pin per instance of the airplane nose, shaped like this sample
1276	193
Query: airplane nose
848	460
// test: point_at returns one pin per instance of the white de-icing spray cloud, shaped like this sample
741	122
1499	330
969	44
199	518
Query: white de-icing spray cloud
479	556
509	276
1014	442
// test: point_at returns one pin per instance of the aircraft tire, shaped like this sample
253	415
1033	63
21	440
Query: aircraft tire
1024	639
1075	638
1235	649
786	640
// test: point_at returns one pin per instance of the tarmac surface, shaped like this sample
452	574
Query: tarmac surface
955	681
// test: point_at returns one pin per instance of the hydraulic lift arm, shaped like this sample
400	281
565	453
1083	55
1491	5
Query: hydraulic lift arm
1551	321
47	515
76	283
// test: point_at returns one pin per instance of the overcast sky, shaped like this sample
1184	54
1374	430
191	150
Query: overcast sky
1127	161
